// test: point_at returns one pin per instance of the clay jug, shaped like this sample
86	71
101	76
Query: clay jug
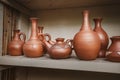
113	53
86	42
102	35
60	49
33	47
40	33
16	45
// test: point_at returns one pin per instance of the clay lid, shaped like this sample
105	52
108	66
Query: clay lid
115	37
60	39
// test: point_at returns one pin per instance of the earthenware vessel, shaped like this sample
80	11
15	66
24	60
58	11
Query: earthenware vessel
16	45
86	42
113	53
60	50
33	47
40	33
102	35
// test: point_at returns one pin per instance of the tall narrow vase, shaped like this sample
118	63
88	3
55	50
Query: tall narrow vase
33	47
102	35
86	42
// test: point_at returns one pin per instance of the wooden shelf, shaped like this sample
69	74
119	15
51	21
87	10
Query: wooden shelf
98	65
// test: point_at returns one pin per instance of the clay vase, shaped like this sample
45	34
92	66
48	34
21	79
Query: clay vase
59	50
16	45
113	53
33	47
102	35
86	42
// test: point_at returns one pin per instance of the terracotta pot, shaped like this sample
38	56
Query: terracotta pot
33	47
16	45
86	42
60	49
102	35
113	53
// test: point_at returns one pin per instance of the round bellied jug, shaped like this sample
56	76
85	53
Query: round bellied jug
33	47
15	47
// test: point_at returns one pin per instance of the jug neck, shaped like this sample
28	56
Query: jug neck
34	34
40	29
16	35
97	22
115	39
86	24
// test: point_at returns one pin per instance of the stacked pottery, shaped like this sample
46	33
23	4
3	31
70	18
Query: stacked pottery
113	53
102	35
60	50
33	47
16	45
86	42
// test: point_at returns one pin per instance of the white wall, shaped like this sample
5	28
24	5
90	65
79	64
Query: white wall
66	22
23	24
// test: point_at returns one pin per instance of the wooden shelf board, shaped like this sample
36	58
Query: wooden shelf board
98	65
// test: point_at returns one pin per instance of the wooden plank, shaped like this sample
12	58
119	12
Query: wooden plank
17	6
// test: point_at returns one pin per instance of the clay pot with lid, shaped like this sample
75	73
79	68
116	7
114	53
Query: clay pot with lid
16	45
33	47
86	42
113	53
102	35
60	50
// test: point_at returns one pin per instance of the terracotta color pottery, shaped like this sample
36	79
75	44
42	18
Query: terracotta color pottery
49	39
60	49
33	47
40	33
102	35
16	45
86	42
113	53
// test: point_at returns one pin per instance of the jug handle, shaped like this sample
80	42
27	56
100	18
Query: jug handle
24	36
41	36
70	42
47	35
